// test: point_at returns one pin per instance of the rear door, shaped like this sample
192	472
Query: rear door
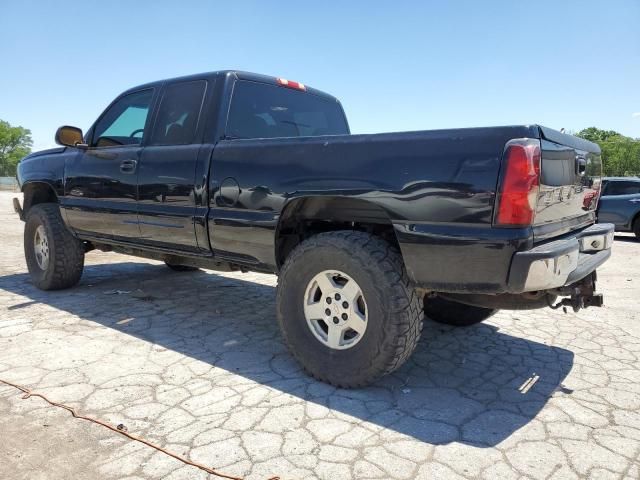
101	181
570	177
620	203
166	178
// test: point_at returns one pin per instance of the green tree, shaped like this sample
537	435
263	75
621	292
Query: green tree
15	143
594	134
620	154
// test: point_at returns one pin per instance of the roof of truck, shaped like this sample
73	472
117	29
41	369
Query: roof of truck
625	179
254	77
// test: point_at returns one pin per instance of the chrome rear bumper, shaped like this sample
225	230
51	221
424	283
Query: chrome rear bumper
561	262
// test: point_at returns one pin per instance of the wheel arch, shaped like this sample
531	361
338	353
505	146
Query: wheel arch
305	216
36	192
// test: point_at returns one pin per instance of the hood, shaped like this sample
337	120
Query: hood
48	151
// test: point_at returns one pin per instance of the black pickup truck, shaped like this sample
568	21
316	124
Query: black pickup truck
237	171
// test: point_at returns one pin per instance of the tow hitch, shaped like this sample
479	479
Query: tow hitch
581	295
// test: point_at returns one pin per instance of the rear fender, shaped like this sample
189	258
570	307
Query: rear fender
327	213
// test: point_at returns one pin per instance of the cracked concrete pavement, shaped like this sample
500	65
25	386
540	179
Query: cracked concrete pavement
195	363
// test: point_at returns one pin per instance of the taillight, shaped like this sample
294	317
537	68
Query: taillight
518	192
591	196
590	200
291	84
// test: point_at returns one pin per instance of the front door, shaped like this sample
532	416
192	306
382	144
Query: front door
101	182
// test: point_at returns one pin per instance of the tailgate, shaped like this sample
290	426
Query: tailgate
570	176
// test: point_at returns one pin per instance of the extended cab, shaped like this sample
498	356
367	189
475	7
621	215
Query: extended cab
238	171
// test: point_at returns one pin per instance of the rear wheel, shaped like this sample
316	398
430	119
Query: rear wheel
181	268
346	308
453	313
55	258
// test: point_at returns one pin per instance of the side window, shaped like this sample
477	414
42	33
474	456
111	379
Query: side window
123	123
630	188
179	113
259	110
623	188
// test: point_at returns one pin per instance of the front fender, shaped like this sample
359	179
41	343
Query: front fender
43	167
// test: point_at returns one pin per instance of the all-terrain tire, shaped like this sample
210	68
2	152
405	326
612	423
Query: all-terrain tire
65	252
453	313
181	268
394	309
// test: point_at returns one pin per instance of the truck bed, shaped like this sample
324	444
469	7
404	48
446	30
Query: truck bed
438	186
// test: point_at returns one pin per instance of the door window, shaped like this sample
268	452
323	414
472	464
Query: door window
622	188
124	122
179	113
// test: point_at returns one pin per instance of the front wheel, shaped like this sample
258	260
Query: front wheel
453	313
347	309
55	258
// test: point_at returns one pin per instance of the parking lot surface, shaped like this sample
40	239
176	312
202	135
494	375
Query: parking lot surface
195	363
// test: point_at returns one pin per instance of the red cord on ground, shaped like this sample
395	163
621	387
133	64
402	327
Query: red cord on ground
28	393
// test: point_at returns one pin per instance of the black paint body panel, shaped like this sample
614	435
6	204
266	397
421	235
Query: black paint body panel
224	198
436	187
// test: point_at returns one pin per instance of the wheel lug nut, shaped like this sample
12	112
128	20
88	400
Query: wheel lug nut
329	300
336	320
327	312
345	316
345	305
337	296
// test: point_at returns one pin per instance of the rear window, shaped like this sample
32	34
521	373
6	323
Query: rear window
259	110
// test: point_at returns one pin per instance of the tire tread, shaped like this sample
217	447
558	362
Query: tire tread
68	254
404	308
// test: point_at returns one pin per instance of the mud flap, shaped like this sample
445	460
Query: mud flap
18	208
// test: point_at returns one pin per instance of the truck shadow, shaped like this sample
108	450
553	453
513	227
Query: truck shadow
627	238
461	385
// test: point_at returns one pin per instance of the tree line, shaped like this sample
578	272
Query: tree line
15	143
620	154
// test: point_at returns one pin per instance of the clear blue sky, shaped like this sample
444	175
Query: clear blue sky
395	65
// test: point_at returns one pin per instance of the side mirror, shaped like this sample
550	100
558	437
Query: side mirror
70	137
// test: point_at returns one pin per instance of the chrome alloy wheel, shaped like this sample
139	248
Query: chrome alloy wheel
41	247
335	309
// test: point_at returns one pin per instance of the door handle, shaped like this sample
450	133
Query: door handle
128	166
